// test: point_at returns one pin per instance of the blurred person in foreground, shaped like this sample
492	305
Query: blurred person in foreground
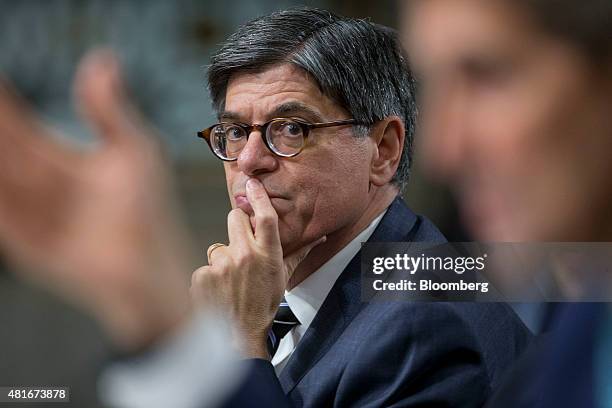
99	227
516	115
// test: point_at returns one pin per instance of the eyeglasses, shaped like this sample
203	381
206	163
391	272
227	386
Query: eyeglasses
285	137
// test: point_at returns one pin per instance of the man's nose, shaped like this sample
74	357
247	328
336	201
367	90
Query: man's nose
255	158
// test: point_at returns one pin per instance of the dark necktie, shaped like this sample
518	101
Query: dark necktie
284	321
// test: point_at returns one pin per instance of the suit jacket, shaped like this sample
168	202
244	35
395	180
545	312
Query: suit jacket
401	353
557	370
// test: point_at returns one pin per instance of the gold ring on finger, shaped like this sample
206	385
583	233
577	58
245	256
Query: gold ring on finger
212	248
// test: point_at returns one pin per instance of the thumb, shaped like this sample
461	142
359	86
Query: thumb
101	98
293	260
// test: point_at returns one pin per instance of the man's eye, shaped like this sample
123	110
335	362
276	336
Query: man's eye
290	129
233	133
293	129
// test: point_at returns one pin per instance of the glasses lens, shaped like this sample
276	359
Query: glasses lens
228	140
285	137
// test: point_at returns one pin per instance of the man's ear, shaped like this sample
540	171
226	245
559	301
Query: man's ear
388	136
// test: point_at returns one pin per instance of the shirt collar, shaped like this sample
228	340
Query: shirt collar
307	297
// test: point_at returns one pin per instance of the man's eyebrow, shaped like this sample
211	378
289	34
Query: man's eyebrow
283	110
226	116
296	109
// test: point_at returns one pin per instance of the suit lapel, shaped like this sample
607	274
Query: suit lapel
343	301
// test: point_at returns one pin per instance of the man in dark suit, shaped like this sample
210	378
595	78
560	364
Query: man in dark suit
316	117
392	353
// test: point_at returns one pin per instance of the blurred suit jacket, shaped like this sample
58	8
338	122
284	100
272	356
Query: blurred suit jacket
558	369
401	353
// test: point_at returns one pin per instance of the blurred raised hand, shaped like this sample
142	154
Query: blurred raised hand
98	227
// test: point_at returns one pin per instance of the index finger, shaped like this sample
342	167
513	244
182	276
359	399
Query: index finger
29	149
16	118
239	228
22	132
266	219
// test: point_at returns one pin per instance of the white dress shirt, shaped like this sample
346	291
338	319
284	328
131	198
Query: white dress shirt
306	298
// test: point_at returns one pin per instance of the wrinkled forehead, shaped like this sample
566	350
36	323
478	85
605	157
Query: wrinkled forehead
278	91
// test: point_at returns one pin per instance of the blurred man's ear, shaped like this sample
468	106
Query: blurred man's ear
388	135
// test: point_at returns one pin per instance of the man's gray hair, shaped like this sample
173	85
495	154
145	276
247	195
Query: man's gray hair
358	64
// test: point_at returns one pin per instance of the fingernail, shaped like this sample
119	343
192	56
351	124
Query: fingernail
252	184
103	61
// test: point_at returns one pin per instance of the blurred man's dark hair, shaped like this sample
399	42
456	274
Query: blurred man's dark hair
585	24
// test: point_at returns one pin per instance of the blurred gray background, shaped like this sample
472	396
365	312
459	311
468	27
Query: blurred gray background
164	47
